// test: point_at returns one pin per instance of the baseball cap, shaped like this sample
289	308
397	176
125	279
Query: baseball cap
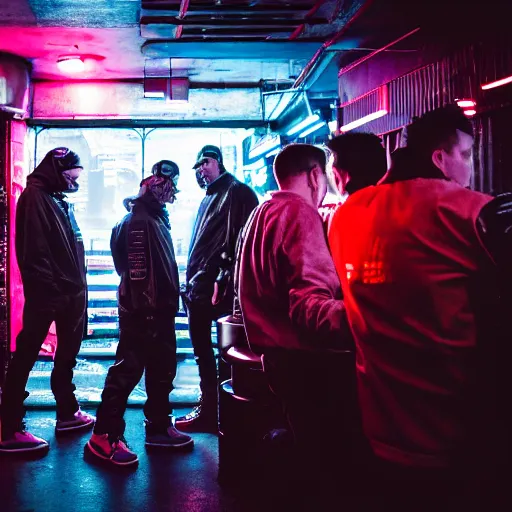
208	151
166	169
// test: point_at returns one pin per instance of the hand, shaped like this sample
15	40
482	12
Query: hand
215	296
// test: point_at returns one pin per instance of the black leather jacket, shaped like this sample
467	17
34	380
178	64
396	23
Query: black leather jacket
49	246
144	257
222	214
495	229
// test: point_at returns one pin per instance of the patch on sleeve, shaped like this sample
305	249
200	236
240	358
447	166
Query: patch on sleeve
137	262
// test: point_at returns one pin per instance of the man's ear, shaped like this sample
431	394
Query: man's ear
313	177
438	159
338	180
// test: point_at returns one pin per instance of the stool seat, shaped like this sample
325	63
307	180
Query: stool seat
243	356
230	332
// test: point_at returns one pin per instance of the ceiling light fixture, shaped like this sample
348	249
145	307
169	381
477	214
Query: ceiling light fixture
363	120
71	64
312	129
311	119
466	103
497	83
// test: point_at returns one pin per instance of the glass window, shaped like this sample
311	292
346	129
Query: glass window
182	146
113	168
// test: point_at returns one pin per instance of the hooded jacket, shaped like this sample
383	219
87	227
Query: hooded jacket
49	246
144	257
222	214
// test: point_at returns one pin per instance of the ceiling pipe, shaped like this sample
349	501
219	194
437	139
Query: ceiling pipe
298	31
356	63
321	51
183	11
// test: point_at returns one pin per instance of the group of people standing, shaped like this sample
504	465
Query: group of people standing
380	325
412	279
50	254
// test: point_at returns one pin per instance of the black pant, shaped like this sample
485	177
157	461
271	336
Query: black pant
38	314
319	399
147	341
389	486
200	318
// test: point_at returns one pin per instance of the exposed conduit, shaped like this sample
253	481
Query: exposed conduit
356	63
316	58
183	11
298	31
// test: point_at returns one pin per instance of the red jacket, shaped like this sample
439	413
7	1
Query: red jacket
289	292
408	256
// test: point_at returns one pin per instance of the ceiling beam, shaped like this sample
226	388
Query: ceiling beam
228	21
232	8
271	51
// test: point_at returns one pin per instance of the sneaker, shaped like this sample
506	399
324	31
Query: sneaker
199	419
168	438
114	451
80	421
22	442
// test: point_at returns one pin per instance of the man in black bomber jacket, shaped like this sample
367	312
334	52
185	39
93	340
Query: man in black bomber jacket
50	255
148	297
209	292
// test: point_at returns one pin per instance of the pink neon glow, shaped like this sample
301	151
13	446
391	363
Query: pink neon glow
466	103
71	64
470	113
364	120
497	83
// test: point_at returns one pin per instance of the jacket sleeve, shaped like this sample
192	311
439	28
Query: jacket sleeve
116	248
244	200
494	227
315	304
33	251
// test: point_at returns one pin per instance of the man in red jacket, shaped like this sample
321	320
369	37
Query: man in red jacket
417	280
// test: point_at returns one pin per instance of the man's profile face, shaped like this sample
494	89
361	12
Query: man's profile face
71	175
209	169
457	163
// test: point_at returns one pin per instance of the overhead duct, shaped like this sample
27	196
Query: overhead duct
161	83
14	85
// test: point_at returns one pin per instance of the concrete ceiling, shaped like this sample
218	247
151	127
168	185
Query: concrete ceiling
218	44
107	34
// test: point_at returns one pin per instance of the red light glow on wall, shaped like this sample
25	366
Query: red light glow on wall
381	106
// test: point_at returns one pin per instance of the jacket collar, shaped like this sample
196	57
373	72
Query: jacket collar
147	203
221	183
407	167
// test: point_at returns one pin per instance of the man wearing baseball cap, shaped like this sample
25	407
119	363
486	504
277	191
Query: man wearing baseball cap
50	255
208	292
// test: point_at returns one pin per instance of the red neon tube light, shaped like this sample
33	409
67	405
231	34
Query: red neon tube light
497	83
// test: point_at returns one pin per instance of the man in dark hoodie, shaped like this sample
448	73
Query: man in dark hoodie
148	297
209	288
50	255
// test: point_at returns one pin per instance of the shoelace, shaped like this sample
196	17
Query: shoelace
194	413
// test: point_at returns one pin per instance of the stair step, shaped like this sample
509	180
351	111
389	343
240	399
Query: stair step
89	378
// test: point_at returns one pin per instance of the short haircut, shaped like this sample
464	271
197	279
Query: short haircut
437	129
361	156
296	159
